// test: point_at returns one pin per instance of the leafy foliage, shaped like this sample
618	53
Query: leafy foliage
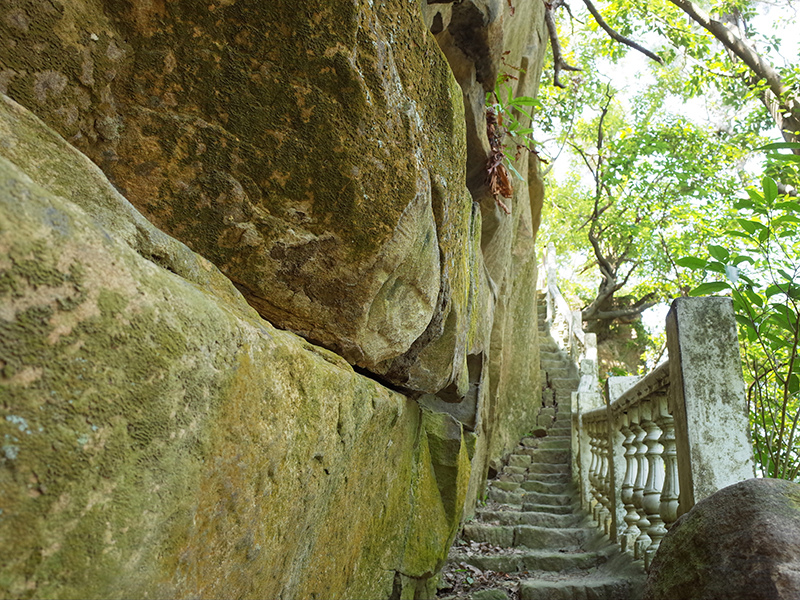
760	268
508	135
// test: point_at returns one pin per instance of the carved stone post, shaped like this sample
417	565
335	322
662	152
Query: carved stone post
642	416
655	482
707	398
631	516
604	478
668	506
619	468
593	468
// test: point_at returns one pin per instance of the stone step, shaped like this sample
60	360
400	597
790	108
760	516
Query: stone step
548	467
547	455
533	484
551	477
543	454
496	535
519	459
533	560
549	364
603	587
515	477
564	384
555	442
550	538
518	517
564	509
560	372
560	430
548	499
515	470
512	498
529	536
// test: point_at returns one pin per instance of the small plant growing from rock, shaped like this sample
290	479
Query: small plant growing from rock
503	114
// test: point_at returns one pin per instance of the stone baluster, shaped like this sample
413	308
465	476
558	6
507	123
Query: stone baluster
638	419
655	482
594	467
631	516
670	492
604	512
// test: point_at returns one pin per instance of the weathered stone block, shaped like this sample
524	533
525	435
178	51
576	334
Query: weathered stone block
319	170
161	439
519	460
740	543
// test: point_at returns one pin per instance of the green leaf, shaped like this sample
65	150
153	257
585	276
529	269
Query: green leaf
513	170
747	225
746	323
770	189
774	290
751	226
710	287
691	262
784	157
738	234
790	205
716	267
718	252
524	112
781	146
793	384
526	101
754	298
755	197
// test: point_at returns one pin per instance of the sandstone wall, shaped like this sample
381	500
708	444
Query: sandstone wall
161	440
186	420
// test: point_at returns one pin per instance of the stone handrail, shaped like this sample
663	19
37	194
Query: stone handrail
665	441
566	327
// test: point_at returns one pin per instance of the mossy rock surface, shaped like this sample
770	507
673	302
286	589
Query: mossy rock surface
740	543
159	439
315	153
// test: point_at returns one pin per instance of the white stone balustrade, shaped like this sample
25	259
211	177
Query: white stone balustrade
660	443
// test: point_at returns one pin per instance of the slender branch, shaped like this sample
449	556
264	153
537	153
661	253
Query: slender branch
732	42
617	314
783	107
559	63
618	37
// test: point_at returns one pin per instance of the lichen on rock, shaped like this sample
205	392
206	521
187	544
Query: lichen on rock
161	439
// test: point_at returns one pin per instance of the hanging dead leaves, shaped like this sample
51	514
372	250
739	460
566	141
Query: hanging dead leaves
497	174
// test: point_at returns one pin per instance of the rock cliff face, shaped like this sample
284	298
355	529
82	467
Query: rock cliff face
183	418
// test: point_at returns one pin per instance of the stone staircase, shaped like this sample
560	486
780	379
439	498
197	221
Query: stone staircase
530	540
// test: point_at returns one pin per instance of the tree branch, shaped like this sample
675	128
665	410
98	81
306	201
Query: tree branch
776	99
617	314
618	37
559	64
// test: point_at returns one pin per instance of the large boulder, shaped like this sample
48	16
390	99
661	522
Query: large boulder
315	153
160	439
319	155
741	543
329	158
